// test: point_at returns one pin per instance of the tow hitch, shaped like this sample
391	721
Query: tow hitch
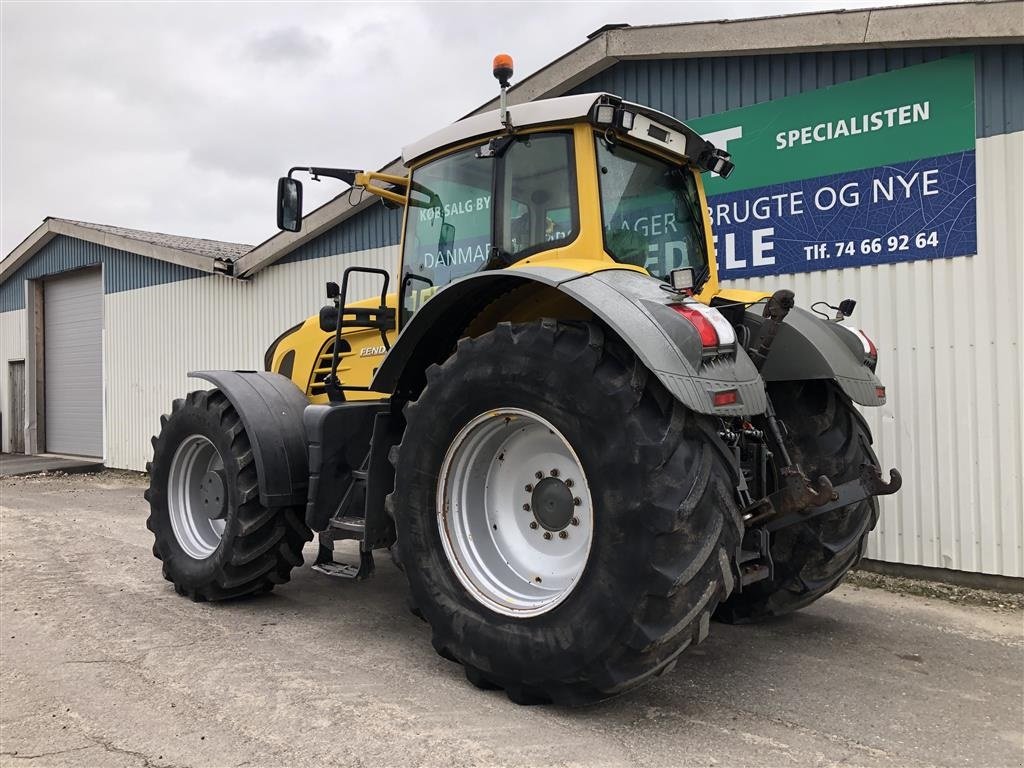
800	500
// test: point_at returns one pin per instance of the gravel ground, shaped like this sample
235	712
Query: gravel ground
102	664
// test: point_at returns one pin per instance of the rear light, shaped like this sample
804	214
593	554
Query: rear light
880	393
716	334
708	334
869	346
725	397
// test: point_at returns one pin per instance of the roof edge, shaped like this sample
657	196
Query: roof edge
51	227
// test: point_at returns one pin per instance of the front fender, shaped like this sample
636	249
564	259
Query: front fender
631	304
270	407
808	347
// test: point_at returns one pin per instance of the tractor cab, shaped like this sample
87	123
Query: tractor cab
582	178
587	182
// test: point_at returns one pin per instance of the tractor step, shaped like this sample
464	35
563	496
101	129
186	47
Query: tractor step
347	571
354	524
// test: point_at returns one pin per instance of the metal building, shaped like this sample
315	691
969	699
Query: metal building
942	313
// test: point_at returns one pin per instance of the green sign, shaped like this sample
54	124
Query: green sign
908	114
876	170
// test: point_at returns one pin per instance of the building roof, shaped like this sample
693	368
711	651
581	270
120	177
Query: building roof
214	256
214	249
982	22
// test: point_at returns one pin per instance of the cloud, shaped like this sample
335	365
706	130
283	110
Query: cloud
179	117
290	45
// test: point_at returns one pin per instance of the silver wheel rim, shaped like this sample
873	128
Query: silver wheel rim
501	529
194	469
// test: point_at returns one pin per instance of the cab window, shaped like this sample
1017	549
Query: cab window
452	229
537	178
448	224
650	210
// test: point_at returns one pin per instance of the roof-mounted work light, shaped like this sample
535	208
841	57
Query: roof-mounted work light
604	114
717	161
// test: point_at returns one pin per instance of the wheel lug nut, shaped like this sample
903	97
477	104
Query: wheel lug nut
554	473
563	534
569	483
547	535
529	488
526	507
533	524
577	501
538	475
575	521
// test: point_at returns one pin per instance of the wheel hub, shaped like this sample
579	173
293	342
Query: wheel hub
552	504
213	500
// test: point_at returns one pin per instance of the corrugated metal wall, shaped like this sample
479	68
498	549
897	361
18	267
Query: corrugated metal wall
949	337
376	227
692	88
12	347
155	335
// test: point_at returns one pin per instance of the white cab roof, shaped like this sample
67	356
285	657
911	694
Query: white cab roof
565	109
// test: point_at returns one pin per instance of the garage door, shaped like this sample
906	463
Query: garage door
73	351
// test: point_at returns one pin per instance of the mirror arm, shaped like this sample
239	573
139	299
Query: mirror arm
348	175
365	179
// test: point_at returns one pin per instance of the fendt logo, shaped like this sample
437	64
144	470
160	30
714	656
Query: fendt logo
372	351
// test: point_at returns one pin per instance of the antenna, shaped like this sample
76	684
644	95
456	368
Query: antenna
503	71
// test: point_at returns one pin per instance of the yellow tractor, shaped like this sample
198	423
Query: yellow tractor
576	444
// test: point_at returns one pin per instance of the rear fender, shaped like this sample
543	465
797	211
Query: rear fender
270	407
808	347
631	304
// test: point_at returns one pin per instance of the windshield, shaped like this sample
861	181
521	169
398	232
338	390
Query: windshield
650	211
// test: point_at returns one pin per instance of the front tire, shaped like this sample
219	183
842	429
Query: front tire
827	436
215	539
649	558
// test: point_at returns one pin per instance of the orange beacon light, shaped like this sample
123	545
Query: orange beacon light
503	69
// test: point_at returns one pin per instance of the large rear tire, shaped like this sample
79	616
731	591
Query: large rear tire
827	436
650	532
214	537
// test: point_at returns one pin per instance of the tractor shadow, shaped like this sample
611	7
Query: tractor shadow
736	663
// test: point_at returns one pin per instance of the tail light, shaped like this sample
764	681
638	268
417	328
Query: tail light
870	350
724	397
716	334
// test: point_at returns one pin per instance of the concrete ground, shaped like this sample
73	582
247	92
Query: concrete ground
101	664
19	464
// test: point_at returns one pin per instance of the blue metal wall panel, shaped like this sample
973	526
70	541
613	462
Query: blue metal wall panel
376	227
692	88
122	271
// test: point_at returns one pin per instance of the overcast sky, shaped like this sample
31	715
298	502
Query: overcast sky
179	117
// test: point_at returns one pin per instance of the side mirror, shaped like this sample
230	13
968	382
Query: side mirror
289	204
